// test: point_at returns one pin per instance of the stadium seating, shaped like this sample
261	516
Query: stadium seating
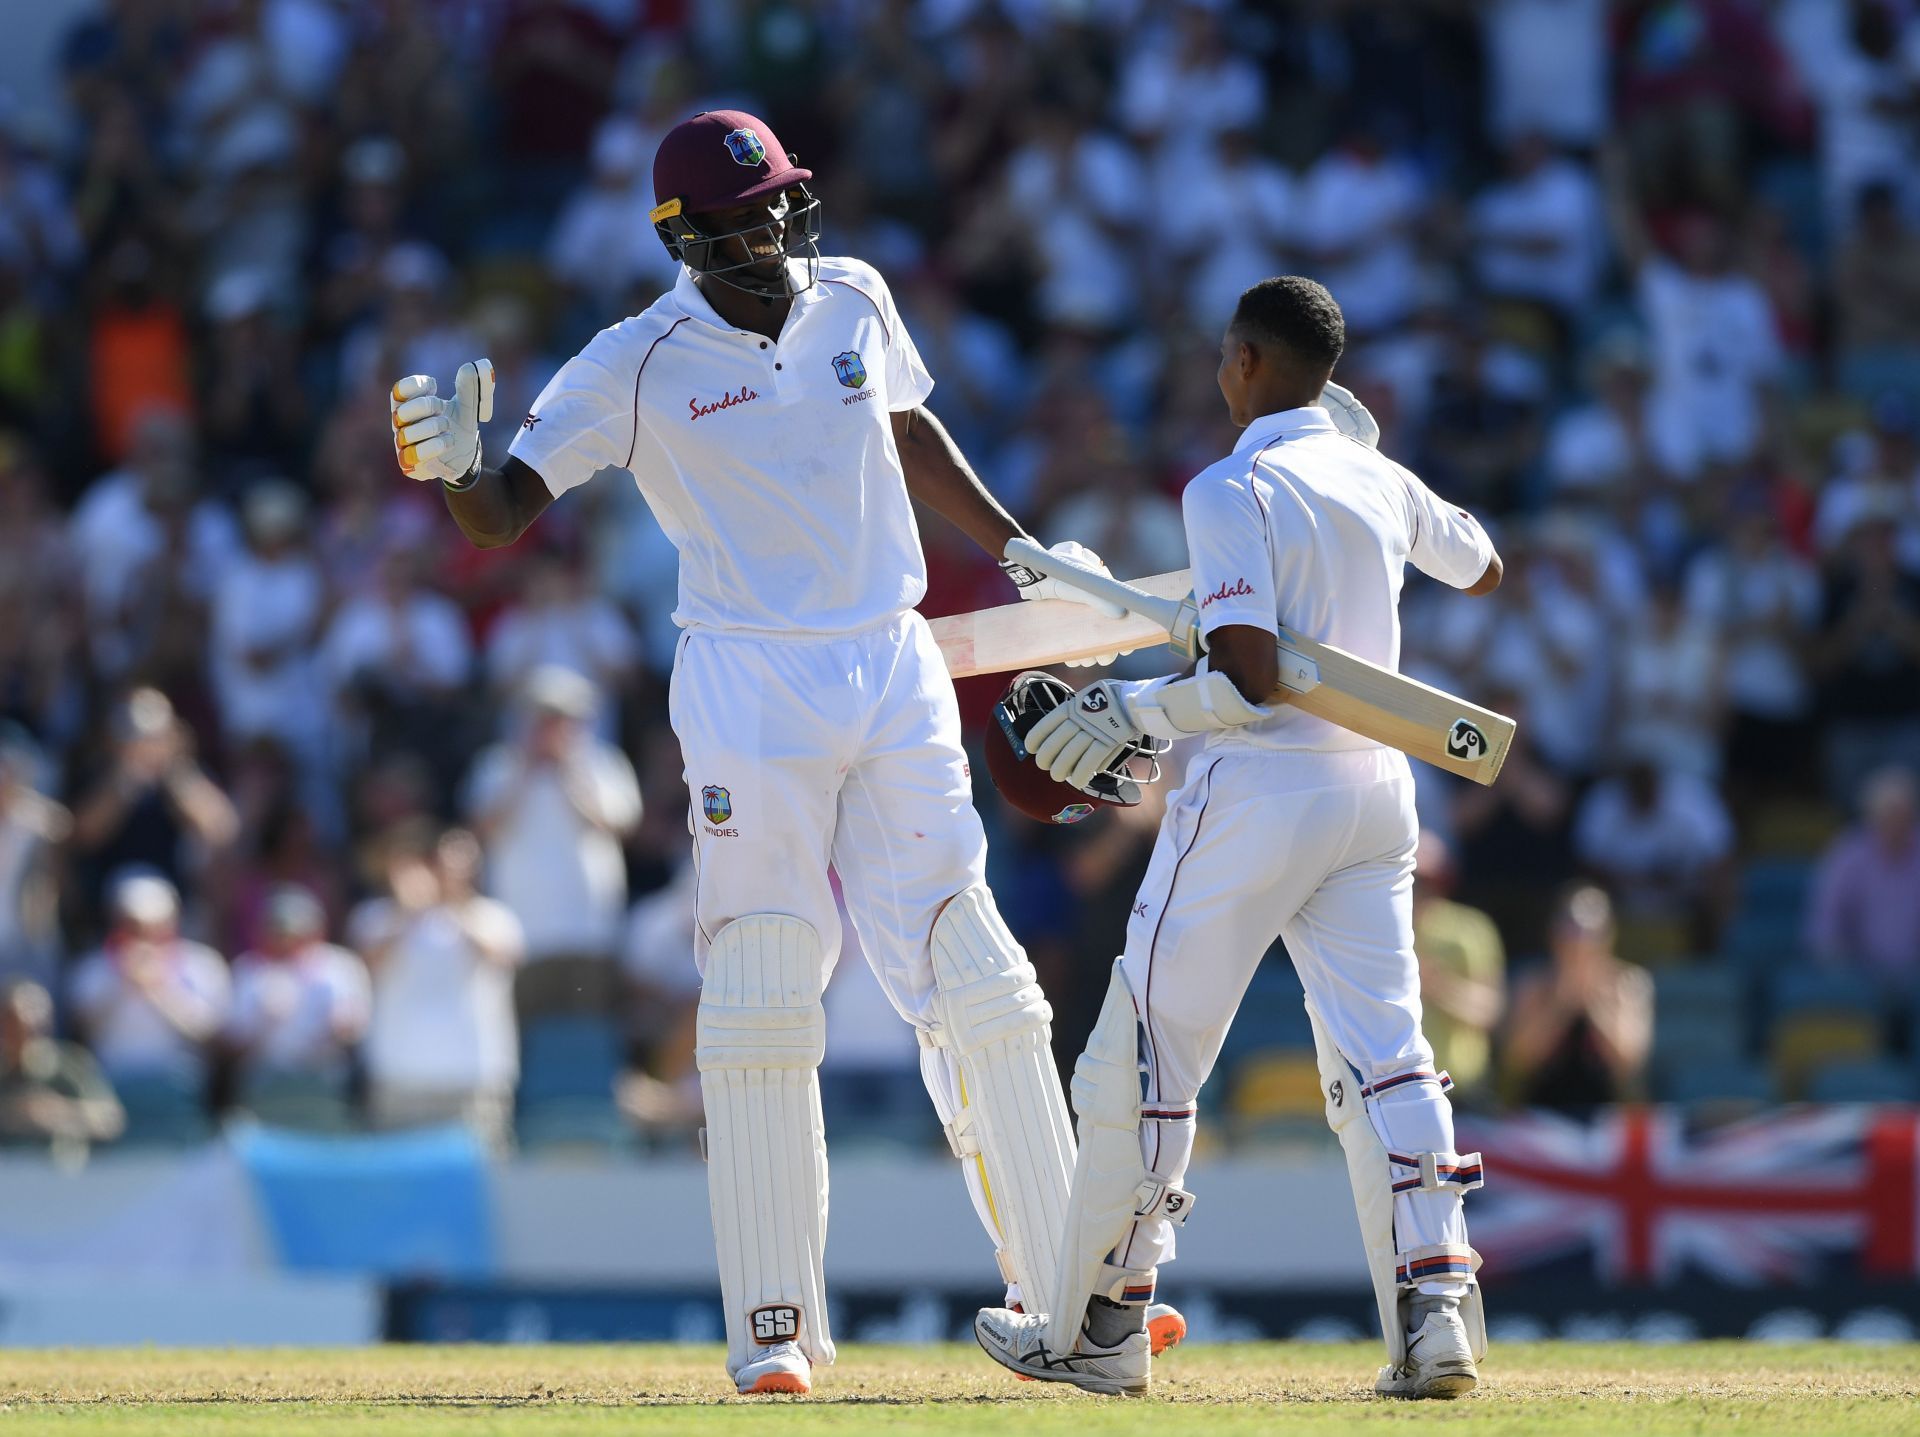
1704	1082
1870	1080
298	1100
163	1111
1804	1043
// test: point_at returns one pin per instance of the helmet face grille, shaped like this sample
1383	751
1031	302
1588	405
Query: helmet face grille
1026	786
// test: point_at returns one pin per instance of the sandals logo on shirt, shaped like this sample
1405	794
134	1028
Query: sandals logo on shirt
742	395
1238	589
745	147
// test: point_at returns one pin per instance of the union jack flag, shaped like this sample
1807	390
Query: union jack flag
1637	1198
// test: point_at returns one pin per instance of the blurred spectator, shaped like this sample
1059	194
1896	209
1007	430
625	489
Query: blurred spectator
393	659
1598	449
559	622
603	243
50	1092
1763	600
1359	207
552	809
1463	971
1867	657
31	825
1537	233
151	805
1513	837
252	397
1716	350
1877	296
1660	837
442	1046
1866	901
1672	689
149	1002
662	1000
138	355
1546	69
1857	60
1581	1024
267	611
300	1003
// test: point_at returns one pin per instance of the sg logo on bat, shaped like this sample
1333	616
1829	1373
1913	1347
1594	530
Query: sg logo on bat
1464	740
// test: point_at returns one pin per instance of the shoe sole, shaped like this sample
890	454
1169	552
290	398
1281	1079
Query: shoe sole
1100	1386
791	1384
1440	1386
1165	1332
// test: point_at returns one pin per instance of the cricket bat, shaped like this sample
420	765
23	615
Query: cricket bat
1422	721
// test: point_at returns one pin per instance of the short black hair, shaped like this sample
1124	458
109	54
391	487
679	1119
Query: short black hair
1294	313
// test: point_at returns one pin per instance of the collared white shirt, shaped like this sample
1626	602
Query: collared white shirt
769	463
1305	526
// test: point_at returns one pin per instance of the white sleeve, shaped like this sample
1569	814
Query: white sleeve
584	419
1448	542
1227	548
908	383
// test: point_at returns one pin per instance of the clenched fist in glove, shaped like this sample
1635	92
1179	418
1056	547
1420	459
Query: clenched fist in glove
1038	586
435	438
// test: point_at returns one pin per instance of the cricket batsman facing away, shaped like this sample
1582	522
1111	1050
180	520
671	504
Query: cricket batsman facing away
1286	826
772	409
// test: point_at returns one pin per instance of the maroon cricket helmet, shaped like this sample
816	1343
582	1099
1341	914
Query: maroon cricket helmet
721	160
1027	786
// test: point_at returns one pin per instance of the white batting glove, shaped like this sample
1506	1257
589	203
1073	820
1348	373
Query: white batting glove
1349	415
434	438
1075	740
1037	586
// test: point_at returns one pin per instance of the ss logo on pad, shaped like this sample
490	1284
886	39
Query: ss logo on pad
776	1322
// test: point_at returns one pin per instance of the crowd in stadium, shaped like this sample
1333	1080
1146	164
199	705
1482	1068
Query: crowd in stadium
309	809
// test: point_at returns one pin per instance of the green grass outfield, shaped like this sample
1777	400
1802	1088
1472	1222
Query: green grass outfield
1543	1388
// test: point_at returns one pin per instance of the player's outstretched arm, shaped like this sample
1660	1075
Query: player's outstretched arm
939	476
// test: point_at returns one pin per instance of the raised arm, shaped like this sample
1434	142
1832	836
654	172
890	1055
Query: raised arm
497	506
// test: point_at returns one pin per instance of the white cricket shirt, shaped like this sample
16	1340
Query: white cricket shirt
1305	526
769	463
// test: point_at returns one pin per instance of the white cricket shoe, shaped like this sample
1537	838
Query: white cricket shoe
1018	1342
783	1367
1439	1362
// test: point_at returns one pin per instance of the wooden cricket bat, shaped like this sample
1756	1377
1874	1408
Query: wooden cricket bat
1329	683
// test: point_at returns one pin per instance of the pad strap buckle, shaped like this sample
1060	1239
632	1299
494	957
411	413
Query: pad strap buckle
1445	1261
1437	1172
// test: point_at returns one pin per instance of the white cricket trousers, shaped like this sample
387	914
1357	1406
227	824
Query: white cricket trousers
1315	848
844	751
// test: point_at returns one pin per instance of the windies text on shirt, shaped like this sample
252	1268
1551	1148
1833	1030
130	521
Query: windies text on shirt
862	395
725	401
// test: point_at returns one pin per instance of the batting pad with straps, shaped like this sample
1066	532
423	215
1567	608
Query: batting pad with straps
1390	1131
761	1034
992	1020
1111	1184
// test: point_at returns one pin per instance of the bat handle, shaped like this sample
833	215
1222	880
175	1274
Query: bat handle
1164	612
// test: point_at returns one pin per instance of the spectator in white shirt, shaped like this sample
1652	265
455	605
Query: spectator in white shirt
1598	449
560	622
1224	212
1662	840
603	244
1359	206
267	610
148	1001
1672	691
1716	351
300	1003
1185	82
1537	233
1546	68
552	808
442	1046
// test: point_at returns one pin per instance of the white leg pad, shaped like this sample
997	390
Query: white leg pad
761	1034
993	1020
1397	1261
1111	1184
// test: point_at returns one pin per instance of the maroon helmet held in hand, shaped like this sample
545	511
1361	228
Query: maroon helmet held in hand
1025	785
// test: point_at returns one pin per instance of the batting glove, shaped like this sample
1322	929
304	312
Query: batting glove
1349	415
1075	740
434	438
1038	586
